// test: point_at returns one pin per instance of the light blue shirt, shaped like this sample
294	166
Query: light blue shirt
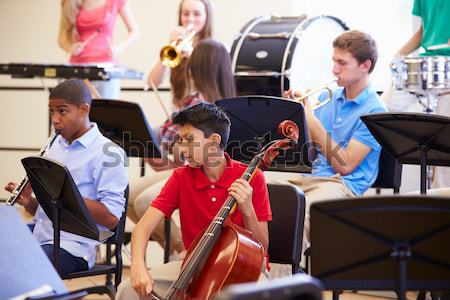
97	166
341	119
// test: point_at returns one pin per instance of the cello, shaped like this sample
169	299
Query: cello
225	253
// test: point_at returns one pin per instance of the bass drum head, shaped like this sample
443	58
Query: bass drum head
273	54
311	64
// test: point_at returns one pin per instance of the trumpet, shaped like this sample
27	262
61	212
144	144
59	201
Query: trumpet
19	188
316	104
170	55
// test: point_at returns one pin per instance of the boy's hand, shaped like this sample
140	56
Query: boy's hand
243	192
25	197
141	280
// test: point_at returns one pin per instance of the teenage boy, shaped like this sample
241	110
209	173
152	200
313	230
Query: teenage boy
198	190
97	167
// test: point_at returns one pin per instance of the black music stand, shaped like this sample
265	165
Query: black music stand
297	286
25	267
254	122
413	138
60	199
126	125
382	243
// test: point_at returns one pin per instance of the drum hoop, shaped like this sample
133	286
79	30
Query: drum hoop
287	50
243	35
302	26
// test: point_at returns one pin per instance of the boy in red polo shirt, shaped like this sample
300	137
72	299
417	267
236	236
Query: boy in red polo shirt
198	190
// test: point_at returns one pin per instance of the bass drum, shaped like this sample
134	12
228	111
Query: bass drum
273	54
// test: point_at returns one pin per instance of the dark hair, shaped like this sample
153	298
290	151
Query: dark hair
361	45
208	118
210	69
74	91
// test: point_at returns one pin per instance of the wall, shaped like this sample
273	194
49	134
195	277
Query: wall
28	30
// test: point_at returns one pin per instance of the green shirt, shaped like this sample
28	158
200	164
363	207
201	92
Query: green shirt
435	16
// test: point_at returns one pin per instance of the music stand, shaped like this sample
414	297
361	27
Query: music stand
382	243
25	266
126	125
413	138
254	122
60	199
297	286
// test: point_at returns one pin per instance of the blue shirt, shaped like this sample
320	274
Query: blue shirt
341	119
97	166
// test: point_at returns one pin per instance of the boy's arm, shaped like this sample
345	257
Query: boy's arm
412	44
25	199
343	160
110	181
141	279
243	192
101	214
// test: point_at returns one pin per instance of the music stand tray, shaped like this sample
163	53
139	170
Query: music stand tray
125	124
60	199
382	243
254	122
413	138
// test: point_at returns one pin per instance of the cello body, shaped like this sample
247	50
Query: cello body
235	258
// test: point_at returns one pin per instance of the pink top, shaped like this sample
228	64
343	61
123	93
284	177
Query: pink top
97	26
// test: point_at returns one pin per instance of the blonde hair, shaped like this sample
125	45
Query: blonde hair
68	33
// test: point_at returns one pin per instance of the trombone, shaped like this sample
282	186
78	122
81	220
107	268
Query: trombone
316	104
170	55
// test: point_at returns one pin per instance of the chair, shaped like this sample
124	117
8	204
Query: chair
286	227
108	268
389	173
298	286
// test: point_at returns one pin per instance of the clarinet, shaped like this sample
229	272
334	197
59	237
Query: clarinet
19	188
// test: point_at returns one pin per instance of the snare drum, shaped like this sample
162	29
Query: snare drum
273	54
417	74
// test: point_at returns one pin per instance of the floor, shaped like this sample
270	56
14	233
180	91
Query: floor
75	284
156	258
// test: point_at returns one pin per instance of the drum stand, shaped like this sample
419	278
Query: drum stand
429	100
429	103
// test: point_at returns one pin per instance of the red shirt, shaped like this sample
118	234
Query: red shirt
100	22
199	199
